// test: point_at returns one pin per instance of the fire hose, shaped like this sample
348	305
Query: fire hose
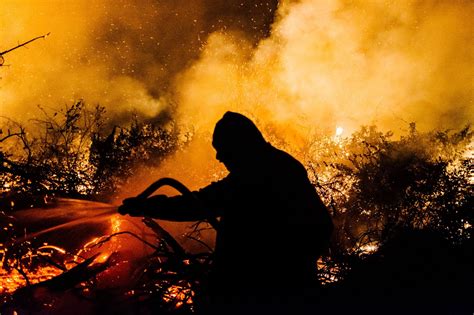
185	192
109	210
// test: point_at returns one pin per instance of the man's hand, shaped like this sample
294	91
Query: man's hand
133	206
139	207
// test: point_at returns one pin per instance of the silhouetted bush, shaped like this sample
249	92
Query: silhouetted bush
71	152
377	187
400	205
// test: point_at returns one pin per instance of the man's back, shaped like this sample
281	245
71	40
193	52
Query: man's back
273	224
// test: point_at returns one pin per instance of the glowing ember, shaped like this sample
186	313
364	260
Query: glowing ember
11	281
56	248
178	295
102	258
115	221
368	248
327	273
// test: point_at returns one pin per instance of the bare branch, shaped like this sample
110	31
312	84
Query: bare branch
10	135
23	44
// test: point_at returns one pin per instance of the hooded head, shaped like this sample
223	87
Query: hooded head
237	141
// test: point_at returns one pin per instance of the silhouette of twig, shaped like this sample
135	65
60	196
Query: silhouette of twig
24	44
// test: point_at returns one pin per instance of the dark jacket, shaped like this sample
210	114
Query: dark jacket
273	225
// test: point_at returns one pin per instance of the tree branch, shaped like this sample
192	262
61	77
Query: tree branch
24	44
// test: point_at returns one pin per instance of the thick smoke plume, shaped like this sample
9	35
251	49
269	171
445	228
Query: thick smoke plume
122	54
331	63
296	67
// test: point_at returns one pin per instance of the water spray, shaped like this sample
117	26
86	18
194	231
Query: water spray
108	210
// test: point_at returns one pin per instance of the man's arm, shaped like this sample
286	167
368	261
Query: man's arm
201	205
178	208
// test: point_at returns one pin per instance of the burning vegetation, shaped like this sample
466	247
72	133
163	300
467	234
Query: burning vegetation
401	204
72	153
378	189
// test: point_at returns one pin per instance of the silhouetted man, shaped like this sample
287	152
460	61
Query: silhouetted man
273	225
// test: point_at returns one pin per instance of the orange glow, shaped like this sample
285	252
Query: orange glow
102	258
56	248
178	295
326	67
324	64
11	281
115	223
368	248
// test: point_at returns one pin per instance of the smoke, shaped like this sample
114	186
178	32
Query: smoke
331	65
122	54
341	63
295	68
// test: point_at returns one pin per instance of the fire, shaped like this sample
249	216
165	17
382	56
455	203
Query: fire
11	281
368	248
469	154
323	61
327	273
178	295
102	258
17	277
56	248
115	223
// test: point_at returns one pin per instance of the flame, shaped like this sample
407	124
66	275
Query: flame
12	281
178	295
356	62
353	63
115	223
368	248
102	258
56	248
469	154
327	274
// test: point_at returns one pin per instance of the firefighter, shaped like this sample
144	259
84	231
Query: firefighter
273	225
